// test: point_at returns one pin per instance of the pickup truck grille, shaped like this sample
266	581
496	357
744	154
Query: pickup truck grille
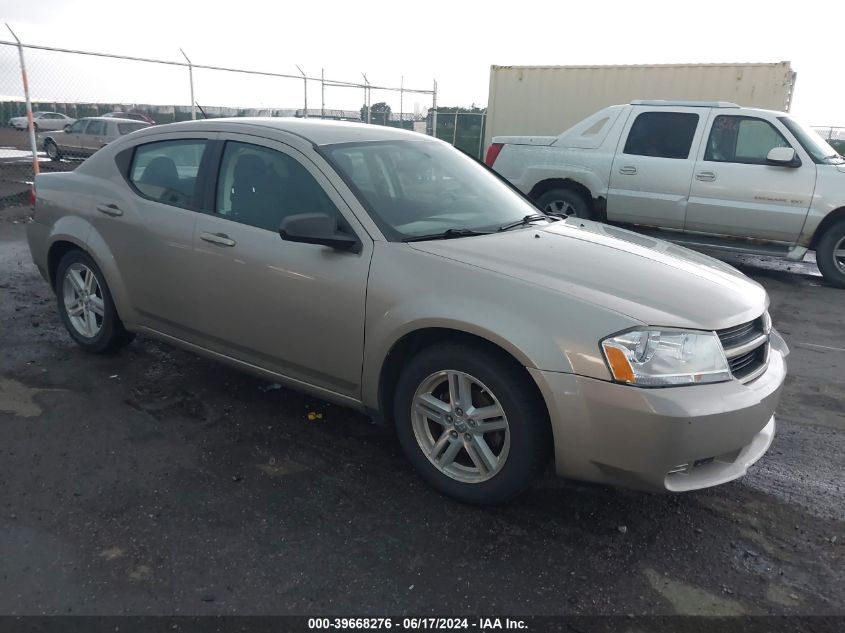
747	347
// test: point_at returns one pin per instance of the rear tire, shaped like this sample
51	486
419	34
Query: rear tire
564	202
86	307
830	254
496	425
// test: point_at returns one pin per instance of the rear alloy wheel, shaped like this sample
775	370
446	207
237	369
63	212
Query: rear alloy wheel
830	254
471	423
564	203
86	307
52	150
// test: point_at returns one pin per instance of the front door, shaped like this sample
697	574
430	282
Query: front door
70	141
652	169
734	192
94	137
292	308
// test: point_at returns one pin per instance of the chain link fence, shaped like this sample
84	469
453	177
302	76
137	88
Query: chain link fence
835	136
73	84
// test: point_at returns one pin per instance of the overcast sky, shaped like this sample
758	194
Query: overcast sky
454	42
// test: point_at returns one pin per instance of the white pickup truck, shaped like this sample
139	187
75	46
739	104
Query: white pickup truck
709	175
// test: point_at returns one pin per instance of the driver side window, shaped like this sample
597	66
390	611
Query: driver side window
77	127
741	139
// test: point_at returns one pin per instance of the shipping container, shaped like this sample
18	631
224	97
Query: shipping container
546	100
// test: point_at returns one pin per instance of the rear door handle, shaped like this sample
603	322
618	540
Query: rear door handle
109	209
706	176
221	239
628	170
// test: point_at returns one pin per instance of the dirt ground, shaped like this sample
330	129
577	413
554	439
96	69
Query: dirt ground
156	482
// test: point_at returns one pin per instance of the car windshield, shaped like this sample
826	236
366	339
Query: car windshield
417	188
810	140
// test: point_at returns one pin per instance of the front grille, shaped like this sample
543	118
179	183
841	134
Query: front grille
747	347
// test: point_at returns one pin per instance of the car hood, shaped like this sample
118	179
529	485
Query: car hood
652	281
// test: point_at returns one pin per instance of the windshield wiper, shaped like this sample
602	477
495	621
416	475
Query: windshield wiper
448	234
528	219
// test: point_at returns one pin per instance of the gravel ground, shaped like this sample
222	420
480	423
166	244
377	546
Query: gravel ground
155	482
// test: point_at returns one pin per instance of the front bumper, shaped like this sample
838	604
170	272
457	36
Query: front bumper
670	439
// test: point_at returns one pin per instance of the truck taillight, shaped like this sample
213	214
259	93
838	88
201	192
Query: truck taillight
492	154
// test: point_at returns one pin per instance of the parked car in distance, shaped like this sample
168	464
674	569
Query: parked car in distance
136	116
388	272
42	121
85	136
708	175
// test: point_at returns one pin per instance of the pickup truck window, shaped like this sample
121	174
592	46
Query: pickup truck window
662	134
741	139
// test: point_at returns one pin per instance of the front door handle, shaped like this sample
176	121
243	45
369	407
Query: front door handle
706	176
628	170
221	239
109	209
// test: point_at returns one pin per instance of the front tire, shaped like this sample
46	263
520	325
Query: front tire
52	150
830	254
86	307
564	203
472	423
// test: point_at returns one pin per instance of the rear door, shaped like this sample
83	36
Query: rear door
734	192
652	169
296	309
148	224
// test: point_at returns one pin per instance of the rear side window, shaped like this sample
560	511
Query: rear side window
126	128
166	171
96	128
662	134
260	186
738	139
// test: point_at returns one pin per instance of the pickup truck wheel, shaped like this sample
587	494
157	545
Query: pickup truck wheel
471	423
830	254
564	203
86	307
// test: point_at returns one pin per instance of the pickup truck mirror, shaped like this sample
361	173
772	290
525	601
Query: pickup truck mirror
317	228
783	157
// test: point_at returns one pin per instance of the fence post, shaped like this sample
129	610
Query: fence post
401	101
191	79
322	93
367	95
305	88
30	125
481	136
434	110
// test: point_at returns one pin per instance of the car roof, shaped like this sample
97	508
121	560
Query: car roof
110	118
315	131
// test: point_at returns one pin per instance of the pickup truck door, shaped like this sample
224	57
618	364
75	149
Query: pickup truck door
652	170
734	192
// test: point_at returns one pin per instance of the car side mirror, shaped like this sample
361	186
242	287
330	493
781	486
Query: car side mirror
317	228
783	157
67	128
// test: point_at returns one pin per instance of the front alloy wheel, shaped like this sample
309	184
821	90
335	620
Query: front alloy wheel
471	421
460	426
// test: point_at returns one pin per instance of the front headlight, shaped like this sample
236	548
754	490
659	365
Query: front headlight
662	358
